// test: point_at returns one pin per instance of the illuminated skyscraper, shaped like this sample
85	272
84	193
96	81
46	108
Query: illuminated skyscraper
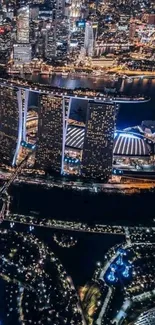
50	133
60	6
132	29
24	95
50	50
62	30
5	42
98	142
23	25
89	39
10	125
22	53
73	10
149	18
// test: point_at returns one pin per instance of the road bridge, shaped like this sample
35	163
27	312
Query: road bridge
3	191
65	225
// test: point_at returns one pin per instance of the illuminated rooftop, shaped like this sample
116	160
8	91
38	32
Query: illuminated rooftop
128	144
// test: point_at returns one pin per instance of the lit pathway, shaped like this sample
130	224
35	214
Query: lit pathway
102	274
70	280
65	225
104	307
127	235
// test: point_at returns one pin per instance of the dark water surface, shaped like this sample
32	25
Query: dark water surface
129	114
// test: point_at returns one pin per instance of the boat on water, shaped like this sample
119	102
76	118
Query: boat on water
115	77
110	90
34	212
36	70
27	72
97	73
44	72
83	74
14	72
129	80
64	74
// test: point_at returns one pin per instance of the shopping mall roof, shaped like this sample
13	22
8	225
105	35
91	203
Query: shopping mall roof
127	144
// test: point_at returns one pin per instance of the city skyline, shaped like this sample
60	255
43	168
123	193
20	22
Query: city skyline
72	34
77	162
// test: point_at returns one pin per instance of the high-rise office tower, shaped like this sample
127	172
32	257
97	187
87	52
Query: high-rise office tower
62	30
132	29
5	43
22	53
11	124
24	98
149	18
50	133
60	6
50	50
75	9
98	142
23	25
89	39
20	3
23	50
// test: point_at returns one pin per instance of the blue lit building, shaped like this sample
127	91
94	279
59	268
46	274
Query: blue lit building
120	270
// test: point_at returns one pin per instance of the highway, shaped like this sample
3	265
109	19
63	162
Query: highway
129	183
14	175
76	226
64	225
3	191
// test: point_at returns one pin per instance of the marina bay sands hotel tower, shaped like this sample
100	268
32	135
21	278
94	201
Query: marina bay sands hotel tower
96	161
13	110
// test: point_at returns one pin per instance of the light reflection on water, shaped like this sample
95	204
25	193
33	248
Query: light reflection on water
129	114
137	86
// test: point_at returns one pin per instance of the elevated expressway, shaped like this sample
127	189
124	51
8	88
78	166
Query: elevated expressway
76	226
64	225
4	197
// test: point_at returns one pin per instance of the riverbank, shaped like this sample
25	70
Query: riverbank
131	73
110	73
123	188
69	204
